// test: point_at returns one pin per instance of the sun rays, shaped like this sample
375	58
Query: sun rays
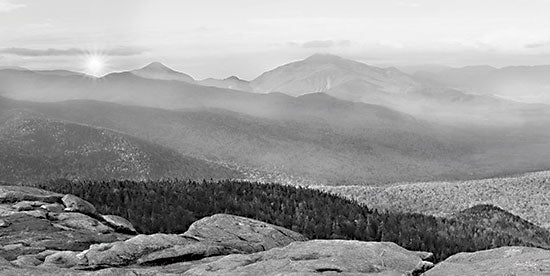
95	63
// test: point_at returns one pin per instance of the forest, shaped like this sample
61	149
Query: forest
170	206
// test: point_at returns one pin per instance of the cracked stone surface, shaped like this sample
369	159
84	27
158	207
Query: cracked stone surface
319	256
244	234
494	262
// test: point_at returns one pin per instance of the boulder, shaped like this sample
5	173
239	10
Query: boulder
120	224
500	261
53	207
27	205
21	193
129	251
243	234
4	223
62	259
36	213
79	221
318	256
76	204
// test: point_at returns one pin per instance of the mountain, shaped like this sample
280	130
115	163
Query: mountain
491	217
159	71
34	147
519	83
324	73
232	82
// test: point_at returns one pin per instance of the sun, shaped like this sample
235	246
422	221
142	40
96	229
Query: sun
95	65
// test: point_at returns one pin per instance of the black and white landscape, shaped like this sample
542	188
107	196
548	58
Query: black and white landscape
274	138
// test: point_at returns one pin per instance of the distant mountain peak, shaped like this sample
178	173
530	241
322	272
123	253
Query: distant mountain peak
157	70
157	66
234	78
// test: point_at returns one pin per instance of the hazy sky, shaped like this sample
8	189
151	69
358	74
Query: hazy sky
246	37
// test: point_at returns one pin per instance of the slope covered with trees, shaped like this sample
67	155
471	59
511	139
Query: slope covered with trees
526	195
491	217
171	206
34	147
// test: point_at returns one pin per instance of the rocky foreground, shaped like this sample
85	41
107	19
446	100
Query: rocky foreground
45	233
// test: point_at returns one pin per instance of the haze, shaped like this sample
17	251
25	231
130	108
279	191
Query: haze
196	38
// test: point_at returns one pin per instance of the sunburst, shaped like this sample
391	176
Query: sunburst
95	63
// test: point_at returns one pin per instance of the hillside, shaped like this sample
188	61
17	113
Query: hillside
171	206
35	148
492	217
527	196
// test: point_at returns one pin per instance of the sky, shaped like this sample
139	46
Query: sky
220	38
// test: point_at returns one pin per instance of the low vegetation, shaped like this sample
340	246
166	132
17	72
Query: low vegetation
171	206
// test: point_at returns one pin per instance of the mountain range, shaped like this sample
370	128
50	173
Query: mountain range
324	119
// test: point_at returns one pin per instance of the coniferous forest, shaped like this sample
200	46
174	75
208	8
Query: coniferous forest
170	206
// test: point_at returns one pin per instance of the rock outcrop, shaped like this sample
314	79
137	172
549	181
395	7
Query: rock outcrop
318	256
36	223
243	234
20	193
220	234
494	262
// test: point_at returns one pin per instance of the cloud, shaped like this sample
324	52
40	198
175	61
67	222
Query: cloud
325	43
7	6
126	51
26	52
